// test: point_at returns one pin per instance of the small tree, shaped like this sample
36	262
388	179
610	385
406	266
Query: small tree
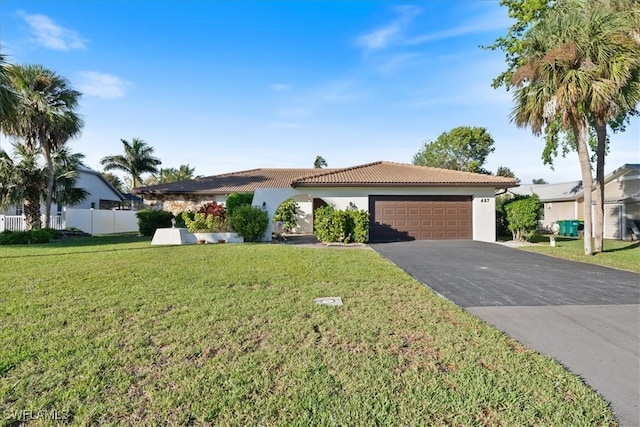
522	215
319	162
287	214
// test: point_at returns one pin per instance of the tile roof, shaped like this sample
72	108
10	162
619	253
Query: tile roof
393	174
371	174
243	182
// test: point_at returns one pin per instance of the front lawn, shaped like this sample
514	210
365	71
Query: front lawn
115	331
622	254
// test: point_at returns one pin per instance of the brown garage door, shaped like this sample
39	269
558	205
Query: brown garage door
396	218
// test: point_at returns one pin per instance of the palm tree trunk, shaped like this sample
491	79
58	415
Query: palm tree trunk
32	209
601	132
587	181
50	176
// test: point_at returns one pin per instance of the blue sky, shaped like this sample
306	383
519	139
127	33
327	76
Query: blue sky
233	85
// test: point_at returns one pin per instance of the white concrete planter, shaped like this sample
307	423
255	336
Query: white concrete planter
219	237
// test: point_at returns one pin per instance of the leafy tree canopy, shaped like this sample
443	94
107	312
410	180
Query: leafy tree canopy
506	172
319	162
463	148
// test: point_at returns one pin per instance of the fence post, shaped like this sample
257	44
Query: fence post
1	223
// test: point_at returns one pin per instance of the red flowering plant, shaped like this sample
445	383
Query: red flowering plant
210	218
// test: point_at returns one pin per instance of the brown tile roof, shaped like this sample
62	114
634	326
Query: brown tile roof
401	174
368	175
243	182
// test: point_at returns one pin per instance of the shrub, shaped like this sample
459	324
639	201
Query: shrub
42	235
149	221
522	215
345	226
287	214
235	200
502	225
249	222
203	223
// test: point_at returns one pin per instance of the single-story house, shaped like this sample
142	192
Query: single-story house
405	202
566	201
102	195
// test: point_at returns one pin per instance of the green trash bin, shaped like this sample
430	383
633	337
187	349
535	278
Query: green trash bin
562	228
572	228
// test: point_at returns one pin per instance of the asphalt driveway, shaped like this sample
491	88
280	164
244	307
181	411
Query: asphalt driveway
587	317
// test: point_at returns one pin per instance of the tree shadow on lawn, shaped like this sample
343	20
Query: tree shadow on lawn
625	248
84	242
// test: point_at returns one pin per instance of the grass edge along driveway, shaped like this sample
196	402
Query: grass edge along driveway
114	331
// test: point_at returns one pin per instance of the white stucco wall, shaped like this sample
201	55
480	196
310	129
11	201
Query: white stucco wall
483	201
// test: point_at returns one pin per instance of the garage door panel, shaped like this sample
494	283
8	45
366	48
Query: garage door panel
420	217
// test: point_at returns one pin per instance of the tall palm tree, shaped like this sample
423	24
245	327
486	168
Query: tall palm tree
559	81
45	116
137	159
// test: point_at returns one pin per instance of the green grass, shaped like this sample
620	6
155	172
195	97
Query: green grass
112	331
620	254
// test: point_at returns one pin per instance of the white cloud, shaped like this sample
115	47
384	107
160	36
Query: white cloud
52	36
481	24
102	85
280	87
388	34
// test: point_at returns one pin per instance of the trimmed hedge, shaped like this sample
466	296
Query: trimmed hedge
42	235
249	222
344	226
149	221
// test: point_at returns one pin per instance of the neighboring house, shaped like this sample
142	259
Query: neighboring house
102	195
405	202
561	201
566	201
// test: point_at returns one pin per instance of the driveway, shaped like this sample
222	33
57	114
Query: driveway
584	316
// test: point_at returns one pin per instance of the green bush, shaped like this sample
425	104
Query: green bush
522	215
502	225
235	200
249	222
149	221
42	235
202	223
287	214
345	226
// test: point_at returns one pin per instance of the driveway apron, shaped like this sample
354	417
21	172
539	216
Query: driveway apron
584	316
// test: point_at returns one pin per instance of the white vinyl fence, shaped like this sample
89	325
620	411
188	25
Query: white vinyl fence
92	221
17	222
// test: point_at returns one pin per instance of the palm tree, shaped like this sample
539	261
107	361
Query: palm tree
23	178
184	172
137	159
21	182
8	98
45	118
554	86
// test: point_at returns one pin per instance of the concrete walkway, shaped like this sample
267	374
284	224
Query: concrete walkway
584	316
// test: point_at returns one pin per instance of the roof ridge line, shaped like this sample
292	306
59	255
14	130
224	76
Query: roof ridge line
336	170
